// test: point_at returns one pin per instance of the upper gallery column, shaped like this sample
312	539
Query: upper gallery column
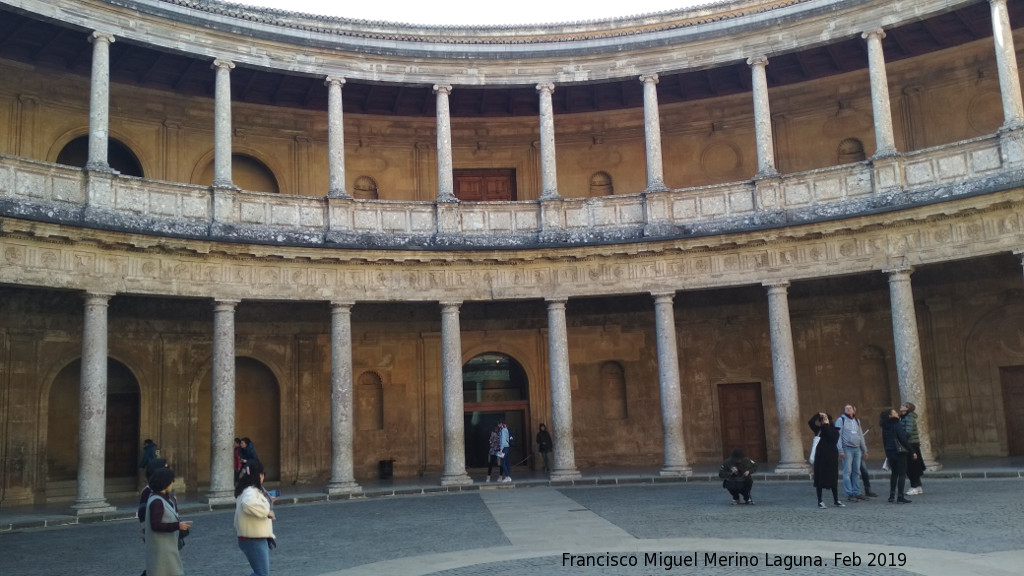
909	368
652	134
335	139
564	467
762	117
445	179
92	408
222	404
222	124
885	144
548	167
99	101
1006	61
787	399
342	473
451	393
668	380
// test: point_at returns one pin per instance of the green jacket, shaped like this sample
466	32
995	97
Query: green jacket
910	427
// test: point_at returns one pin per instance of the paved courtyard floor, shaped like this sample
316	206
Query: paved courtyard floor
958	527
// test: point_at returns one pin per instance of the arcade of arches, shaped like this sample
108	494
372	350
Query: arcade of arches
170	274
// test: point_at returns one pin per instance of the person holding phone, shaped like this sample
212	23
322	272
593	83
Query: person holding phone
826	458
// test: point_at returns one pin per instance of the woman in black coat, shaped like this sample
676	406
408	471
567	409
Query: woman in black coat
897	448
826	457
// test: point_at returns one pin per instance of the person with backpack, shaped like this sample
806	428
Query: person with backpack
544	446
852	449
493	447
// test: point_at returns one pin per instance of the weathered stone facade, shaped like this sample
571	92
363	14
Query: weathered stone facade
334	325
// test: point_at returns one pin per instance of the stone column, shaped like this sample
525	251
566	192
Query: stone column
909	368
762	117
335	139
222	125
1006	62
676	463
92	409
548	167
222	405
342	475
564	465
445	179
451	384
99	101
652	134
885	143
787	400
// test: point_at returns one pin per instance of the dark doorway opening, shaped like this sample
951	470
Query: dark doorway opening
1012	378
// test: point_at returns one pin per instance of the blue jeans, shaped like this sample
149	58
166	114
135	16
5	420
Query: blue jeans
257	552
851	471
506	463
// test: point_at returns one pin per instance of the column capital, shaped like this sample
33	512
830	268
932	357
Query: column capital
445	89
556	301
997	2
649	78
101	36
776	285
451	304
547	87
875	32
329	80
898	270
225	304
97	297
341	304
663	296
759	60
223	64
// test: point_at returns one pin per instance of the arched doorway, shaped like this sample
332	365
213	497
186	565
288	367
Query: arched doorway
257	416
122	437
495	389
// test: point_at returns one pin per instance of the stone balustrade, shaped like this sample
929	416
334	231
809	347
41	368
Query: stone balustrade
54	193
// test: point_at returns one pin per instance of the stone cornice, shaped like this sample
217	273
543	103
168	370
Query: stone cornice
51	256
713	36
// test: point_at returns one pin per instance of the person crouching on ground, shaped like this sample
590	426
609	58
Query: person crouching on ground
254	518
735	473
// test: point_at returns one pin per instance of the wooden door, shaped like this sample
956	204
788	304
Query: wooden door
1012	378
122	440
491	185
742	416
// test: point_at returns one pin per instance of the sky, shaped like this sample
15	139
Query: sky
473	12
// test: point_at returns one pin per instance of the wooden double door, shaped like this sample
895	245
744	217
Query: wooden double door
488	185
741	412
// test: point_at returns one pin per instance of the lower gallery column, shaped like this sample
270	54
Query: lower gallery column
564	467
1020	254
342	476
92	408
909	368
451	392
222	405
787	401
668	379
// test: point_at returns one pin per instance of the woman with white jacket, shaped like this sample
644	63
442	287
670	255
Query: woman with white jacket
254	519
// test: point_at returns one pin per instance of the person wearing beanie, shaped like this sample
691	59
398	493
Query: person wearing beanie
162	527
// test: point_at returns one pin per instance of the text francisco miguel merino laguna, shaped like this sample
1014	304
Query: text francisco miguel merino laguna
715	559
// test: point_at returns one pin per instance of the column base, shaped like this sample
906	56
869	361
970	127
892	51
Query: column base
91	507
220	498
456	480
933	466
565	474
342	488
793	468
676	471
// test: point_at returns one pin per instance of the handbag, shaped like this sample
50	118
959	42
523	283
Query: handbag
885	464
814	447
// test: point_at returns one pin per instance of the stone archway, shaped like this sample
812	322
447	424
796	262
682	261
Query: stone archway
122	449
495	389
257	416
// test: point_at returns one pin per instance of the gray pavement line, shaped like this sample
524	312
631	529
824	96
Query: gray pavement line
923	561
543	515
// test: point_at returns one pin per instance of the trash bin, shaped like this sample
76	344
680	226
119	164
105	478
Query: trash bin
386	468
